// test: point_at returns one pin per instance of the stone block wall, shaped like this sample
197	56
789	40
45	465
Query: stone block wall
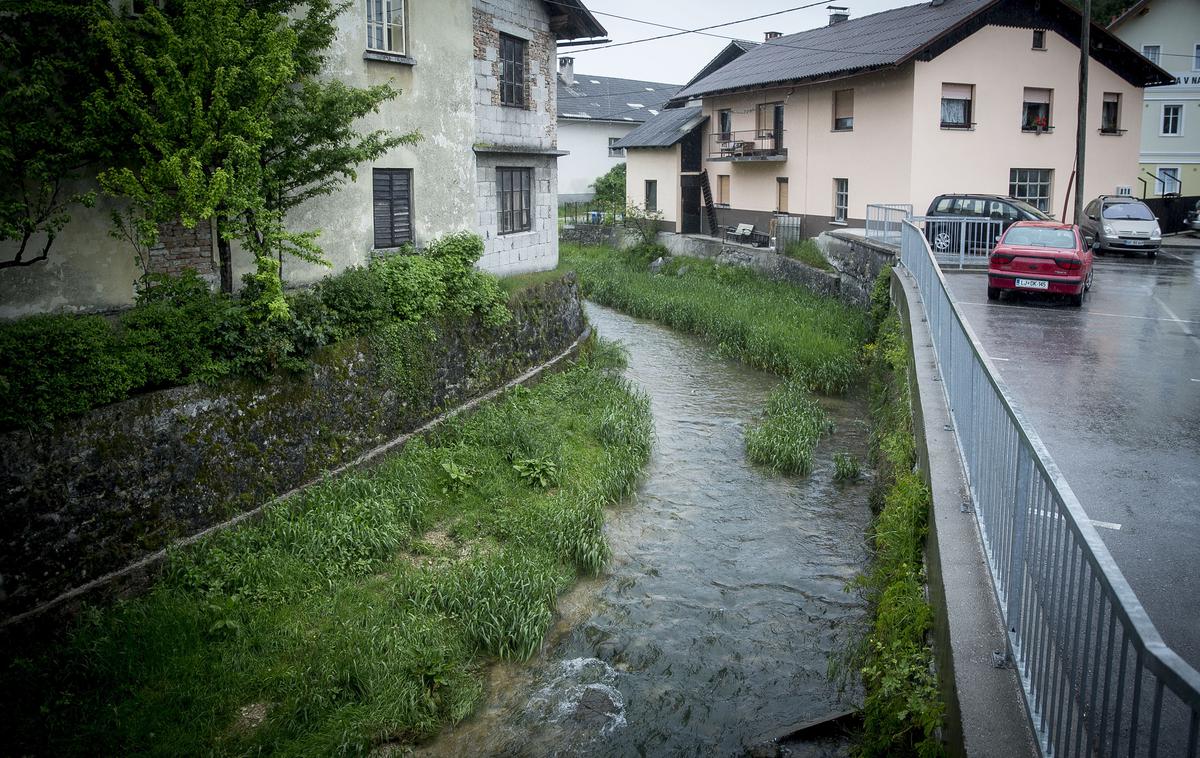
536	249
535	125
180	248
95	493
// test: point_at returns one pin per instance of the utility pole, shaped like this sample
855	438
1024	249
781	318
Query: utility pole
1085	50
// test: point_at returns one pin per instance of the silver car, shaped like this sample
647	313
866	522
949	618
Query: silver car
1192	221
1121	224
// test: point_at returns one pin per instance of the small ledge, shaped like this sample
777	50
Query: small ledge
490	149
956	128
1112	132
1043	130
385	57
839	223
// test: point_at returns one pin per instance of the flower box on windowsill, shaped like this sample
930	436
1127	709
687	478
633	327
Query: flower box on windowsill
388	57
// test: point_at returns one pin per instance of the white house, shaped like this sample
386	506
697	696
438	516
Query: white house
1167	32
952	96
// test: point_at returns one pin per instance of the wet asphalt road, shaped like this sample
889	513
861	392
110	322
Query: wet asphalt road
1113	388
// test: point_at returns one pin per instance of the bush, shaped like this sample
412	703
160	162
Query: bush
610	188
414	285
52	366
358	299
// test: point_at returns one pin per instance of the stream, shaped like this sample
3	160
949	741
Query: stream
711	628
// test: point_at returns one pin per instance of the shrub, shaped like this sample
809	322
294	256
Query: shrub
358	299
610	188
52	366
414	285
171	333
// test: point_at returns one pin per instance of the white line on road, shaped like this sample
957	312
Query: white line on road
1101	524
1091	313
1171	313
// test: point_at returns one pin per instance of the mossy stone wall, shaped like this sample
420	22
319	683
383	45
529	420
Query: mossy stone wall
94	493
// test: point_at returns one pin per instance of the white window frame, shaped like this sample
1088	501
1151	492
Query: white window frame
1162	117
1016	182
1160	184
384	33
615	152
1157	53
841	200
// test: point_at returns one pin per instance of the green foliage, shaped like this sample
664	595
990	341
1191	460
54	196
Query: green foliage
1105	11
360	614
457	478
610	188
773	326
845	467
806	251
787	437
48	67
59	365
644	224
881	297
537	472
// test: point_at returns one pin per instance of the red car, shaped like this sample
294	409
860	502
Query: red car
1041	256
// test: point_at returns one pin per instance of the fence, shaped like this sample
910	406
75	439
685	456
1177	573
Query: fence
956	240
885	221
594	213
1097	677
789	230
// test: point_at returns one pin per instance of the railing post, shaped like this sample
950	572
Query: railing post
1016	562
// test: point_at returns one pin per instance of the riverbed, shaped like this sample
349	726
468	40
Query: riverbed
711	629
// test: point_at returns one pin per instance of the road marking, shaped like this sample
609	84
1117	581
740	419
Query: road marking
1101	524
1195	380
1172	314
999	359
1091	313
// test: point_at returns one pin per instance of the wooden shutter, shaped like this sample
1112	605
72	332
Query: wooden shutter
392	199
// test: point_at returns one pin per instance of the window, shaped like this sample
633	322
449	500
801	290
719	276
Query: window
723	189
725	125
843	110
1035	112
385	26
1151	52
1196	57
956	105
514	199
615	152
1031	185
841	199
512	71
392	198
1167	181
1110	113
1172	120
1039	39
781	194
651	195
769	119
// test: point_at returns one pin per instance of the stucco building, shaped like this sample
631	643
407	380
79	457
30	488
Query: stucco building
476	78
970	96
1167	32
593	113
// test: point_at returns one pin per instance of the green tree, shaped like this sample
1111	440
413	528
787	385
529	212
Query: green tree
610	188
48	67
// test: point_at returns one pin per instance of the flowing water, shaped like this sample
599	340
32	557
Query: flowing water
711	629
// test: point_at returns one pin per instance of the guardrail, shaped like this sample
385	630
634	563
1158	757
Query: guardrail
885	221
1097	677
955	240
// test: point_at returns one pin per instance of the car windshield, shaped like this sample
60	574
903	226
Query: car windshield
1033	212
1128	212
1034	236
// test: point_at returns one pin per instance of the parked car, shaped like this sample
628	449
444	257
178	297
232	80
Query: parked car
1192	222
1041	256
1121	224
943	235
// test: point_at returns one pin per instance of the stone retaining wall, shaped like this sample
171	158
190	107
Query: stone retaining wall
98	492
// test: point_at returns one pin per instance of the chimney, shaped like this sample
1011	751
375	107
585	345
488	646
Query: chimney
837	14
566	70
768	36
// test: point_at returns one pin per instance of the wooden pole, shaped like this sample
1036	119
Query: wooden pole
1085	45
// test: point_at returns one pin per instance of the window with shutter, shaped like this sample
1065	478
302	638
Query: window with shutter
843	110
956	105
1035	110
392	196
1110	113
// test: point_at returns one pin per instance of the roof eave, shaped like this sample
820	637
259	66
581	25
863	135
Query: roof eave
805	81
570	19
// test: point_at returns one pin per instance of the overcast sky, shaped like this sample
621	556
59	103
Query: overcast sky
677	59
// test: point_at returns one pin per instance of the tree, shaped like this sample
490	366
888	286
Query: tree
48	68
610	188
1104	11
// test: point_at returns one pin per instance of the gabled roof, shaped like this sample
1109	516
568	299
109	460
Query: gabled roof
1129	13
728	54
894	37
605	98
570	19
665	129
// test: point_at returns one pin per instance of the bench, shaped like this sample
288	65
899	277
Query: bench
745	234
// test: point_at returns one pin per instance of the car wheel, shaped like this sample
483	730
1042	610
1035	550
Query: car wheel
941	241
993	293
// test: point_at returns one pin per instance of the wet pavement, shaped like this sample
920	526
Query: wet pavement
1113	389
712	627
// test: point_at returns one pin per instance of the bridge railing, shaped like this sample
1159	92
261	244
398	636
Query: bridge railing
1098	679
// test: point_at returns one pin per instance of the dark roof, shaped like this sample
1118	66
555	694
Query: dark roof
570	19
1129	13
665	129
604	98
730	52
893	37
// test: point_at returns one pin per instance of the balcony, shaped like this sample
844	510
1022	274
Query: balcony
747	145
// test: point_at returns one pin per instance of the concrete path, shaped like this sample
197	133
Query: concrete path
1113	388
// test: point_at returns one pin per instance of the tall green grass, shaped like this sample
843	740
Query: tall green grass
777	327
786	438
359	613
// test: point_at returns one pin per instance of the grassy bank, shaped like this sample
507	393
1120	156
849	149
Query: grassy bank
902	708
777	327
363	611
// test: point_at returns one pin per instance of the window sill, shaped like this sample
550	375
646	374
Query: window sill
1112	132
842	130
516	233
958	127
386	57
1044	130
839	223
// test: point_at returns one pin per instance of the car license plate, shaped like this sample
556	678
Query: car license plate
1135	243
1033	284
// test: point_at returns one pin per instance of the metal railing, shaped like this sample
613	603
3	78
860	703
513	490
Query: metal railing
1097	677
885	221
960	241
747	145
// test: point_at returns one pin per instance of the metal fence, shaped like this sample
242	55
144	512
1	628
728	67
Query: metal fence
789	230
1097	677
593	213
958	241
885	221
